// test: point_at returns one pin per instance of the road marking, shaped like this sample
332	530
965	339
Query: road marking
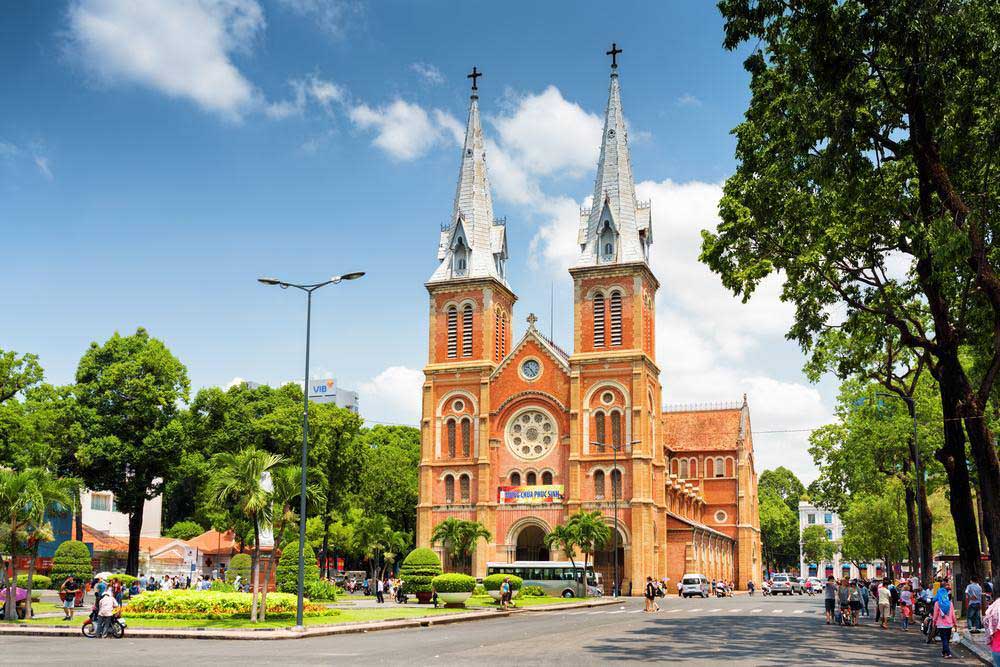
777	611
617	612
636	611
798	611
577	613
695	610
754	611
673	611
712	611
596	612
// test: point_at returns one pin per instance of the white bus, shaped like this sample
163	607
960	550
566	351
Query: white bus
557	577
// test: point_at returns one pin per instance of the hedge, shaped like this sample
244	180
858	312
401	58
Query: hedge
321	590
220	586
454	583
419	569
286	575
71	558
492	582
126	579
38	581
188	604
533	592
239	565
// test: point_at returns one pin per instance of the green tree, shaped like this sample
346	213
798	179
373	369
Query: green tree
184	530
592	534
72	559
785	484
563	537
388	480
816	546
459	537
133	385
286	578
875	527
17	373
779	531
239	479
868	145
239	566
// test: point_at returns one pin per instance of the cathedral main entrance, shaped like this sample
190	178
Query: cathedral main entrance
604	562
531	544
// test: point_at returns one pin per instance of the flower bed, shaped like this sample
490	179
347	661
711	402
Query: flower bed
187	604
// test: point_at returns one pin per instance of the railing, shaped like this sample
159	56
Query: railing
701	407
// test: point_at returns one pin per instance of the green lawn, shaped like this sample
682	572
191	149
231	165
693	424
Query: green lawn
487	601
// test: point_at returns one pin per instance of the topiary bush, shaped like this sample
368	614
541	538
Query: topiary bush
71	558
220	586
38	581
418	570
533	592
479	590
126	579
321	590
187	604
286	575
184	530
454	583
492	582
240	564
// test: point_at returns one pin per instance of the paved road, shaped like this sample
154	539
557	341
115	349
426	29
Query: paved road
731	631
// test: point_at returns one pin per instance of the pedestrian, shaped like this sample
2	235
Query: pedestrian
974	605
99	587
865	596
944	619
750	587
906	606
893	600
680	588
991	622
68	590
142	581
844	600
884	600
854	600
830	598
379	591
106	606
237	582
650	595
505	593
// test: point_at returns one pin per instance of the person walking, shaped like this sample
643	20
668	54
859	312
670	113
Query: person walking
905	606
505	593
854	599
944	619
830	598
884	600
991	623
865	597
844	602
379	591
68	590
974	605
750	587
680	589
650	595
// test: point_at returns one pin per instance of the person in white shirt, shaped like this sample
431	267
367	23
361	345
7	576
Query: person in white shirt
106	607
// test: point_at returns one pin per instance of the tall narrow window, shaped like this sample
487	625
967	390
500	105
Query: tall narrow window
451	438
616	428
515	479
599	484
616	483
467	331
496	336
684	469
464	485
729	468
694	468
546	478
449	489
503	335
466	437
710	468
531	479
598	320
616	318
599	433
452	332
720	467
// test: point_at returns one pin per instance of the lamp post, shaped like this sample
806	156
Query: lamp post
308	289
614	499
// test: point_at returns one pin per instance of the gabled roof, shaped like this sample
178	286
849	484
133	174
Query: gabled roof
556	353
102	541
213	542
702	430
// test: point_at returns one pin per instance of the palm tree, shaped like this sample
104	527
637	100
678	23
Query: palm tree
373	534
397	544
471	533
239	479
460	537
563	537
286	483
591	535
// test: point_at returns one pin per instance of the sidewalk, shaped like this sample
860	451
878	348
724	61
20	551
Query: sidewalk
288	633
978	644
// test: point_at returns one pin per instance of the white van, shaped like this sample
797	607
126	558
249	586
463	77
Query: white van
695	584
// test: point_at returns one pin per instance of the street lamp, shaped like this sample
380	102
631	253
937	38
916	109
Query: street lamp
614	495
308	289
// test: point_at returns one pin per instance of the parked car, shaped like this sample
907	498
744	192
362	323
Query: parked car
814	585
695	584
782	583
798	585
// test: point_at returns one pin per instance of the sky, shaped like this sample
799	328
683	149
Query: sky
157	157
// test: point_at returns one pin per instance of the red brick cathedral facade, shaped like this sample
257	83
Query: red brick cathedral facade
519	434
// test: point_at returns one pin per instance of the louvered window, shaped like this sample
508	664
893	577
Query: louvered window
599	432
467	331
452	332
616	429
496	336
503	335
616	318
599	484
466	437
451	438
464	484
515	479
616	483
598	320
546	478
449	489
531	479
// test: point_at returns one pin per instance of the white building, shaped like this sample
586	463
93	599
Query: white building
813	515
100	512
327	391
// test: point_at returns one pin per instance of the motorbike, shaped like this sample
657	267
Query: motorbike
89	628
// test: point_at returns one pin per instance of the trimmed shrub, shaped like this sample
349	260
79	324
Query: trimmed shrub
492	582
286	575
184	530
454	583
321	590
220	586
479	590
188	604
419	569
71	558
126	579
38	581
533	592
240	564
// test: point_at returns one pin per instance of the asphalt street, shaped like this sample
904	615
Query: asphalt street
732	631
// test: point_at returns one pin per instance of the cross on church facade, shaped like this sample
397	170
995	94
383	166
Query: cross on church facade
614	55
475	75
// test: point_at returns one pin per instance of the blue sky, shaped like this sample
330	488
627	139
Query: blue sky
156	158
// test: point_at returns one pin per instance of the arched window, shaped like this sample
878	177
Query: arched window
467	330
531	479
515	479
684	469
616	428
449	489
599	433
503	335
451	438
709	467
616	483
461	257
466	437
546	478
464	485
729	468
607	242
598	320
599	484
452	331
496	336
673	467
694	468
616	318
720	467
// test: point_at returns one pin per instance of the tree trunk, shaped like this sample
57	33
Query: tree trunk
31	576
79	520
912	543
255	564
326	538
988	467
10	608
134	533
262	613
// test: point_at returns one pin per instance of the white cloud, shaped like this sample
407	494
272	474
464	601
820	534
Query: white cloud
393	396
405	131
43	166
688	100
333	17
428	73
8	150
451	125
311	88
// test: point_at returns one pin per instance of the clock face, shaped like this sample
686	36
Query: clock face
530	369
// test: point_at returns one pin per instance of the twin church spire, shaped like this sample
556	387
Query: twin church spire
614	230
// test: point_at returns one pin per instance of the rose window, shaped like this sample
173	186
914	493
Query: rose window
531	434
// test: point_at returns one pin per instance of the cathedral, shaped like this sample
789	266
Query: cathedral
519	434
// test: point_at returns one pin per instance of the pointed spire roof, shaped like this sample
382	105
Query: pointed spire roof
614	199
472	234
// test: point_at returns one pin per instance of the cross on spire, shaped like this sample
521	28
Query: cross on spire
474	75
614	55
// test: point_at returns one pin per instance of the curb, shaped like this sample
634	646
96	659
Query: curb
267	634
983	653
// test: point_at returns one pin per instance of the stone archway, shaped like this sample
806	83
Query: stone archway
604	562
530	543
